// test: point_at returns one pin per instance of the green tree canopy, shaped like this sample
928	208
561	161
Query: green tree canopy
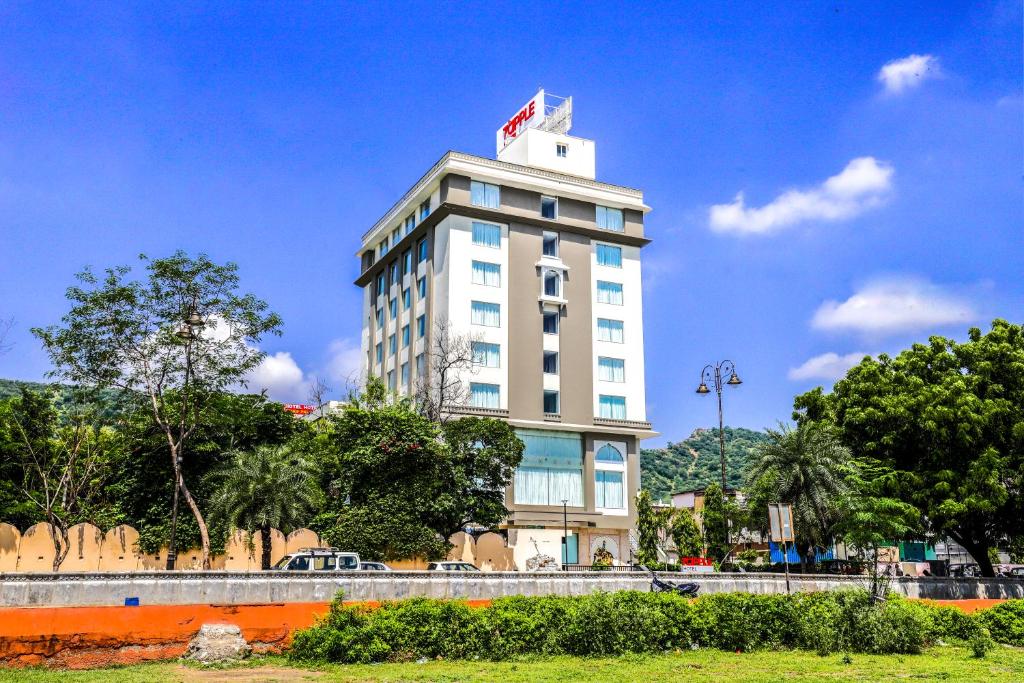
947	418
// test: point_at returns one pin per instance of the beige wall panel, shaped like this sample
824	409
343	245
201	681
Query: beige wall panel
525	325
84	541
37	549
576	335
301	538
242	552
464	547
415	563
10	539
278	546
493	554
119	550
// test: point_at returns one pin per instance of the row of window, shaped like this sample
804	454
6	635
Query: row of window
394	272
484	395
421	331
421	293
488	355
488	196
397	234
551	471
393	379
488	314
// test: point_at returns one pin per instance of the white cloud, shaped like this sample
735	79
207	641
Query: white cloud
903	74
344	363
892	305
863	184
829	365
281	377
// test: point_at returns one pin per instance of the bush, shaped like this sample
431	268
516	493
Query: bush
1005	622
981	642
636	622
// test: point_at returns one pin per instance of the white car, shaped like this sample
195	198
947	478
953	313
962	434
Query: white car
318	560
451	567
374	567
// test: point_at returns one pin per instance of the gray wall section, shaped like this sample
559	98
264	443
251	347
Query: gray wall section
181	588
576	335
525	325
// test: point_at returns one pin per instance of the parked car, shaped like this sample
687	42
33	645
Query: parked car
451	567
374	567
967	569
318	559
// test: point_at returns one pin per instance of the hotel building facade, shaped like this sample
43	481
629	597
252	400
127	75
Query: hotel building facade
539	265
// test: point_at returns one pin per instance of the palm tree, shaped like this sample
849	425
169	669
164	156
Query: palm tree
806	467
269	487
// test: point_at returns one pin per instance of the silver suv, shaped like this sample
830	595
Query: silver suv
318	560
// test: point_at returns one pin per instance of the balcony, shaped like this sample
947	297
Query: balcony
626	424
479	412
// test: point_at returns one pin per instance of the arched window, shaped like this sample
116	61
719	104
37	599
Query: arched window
552	284
609	453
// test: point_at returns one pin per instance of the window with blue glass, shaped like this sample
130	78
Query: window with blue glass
488	274
410	223
610	219
392	344
609	255
484	395
423	251
379	351
380	317
612	407
485	195
380	284
421	288
405	374
405	336
406	298
421	326
394	272
551	469
487	235
407	261
611	369
485	355
610	330
609	293
393	308
424	209
486	314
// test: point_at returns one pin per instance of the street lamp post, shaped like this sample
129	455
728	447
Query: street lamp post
565	532
712	374
188	331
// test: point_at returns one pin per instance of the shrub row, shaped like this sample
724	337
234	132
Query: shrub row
631	621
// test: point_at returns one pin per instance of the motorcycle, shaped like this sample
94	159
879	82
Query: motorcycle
688	590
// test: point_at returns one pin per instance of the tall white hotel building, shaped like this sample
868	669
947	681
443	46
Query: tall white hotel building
539	264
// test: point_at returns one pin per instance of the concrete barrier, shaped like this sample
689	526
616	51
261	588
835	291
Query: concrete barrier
257	588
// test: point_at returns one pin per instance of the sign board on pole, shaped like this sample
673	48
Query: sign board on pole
780	519
530	115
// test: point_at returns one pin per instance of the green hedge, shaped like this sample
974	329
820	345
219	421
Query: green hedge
631	621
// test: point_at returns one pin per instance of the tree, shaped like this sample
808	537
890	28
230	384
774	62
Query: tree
947	418
63	461
715	522
686	534
432	479
146	336
648	526
806	467
441	388
266	488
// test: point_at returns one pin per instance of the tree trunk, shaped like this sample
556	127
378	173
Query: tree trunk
979	551
265	541
60	542
204	532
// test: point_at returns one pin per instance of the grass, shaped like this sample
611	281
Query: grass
946	663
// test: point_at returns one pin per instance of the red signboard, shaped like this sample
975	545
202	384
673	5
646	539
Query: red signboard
696	561
299	408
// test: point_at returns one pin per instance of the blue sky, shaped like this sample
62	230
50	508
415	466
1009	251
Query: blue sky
880	204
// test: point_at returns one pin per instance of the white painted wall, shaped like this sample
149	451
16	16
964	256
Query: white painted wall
534	147
631	313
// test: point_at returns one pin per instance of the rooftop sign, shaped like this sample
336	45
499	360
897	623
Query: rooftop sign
530	115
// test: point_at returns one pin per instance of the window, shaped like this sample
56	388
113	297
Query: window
394	272
410	223
424	209
421	365
551	244
607	255
551	469
405	374
486	314
380	317
610	219
608	489
550	322
488	274
382	248
613	407
391	380
379	350
393	308
550	362
611	369
407	261
421	288
406	299
484	194
549	207
405	336
396	235
421	326
487	235
380	284
609	293
423	251
552	284
609	330
561	149
484	395
392	344
609	476
551	402
486	355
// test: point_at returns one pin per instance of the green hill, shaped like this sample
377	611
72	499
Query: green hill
694	462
